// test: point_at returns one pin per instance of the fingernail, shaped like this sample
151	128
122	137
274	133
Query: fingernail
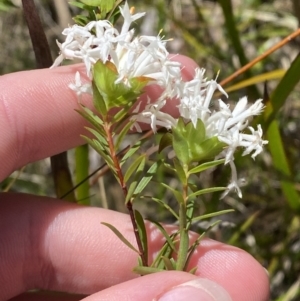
200	289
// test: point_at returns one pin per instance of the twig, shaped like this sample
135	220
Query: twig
261	57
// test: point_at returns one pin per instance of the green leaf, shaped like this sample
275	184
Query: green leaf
142	232
180	145
77	4
190	145
193	270
276	144
133	167
165	251
139	170
91	117
116	95
98	101
133	149
260	78
100	138
196	243
105	76
145	180
123	133
180	171
195	135
208	149
169	265
121	114
210	215
190	213
165	205
205	190
281	163
205	166
176	193
81	20
165	141
103	4
101	151
146	270
284	88
165	234
121	237
131	189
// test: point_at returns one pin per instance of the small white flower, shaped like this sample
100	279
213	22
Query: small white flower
235	183
80	88
253	142
152	114
196	97
128	18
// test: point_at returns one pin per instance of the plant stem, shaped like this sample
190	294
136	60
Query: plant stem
184	239
261	57
115	158
183	232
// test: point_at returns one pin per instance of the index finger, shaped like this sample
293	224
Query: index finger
37	117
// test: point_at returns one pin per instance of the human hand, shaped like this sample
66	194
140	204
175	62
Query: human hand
54	245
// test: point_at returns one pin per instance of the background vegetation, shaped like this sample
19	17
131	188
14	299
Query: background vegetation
219	35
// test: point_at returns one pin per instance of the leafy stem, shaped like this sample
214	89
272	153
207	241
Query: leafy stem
119	174
183	230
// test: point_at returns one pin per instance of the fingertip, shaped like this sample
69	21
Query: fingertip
188	66
234	269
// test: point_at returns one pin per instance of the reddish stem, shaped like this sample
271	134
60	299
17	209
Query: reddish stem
107	127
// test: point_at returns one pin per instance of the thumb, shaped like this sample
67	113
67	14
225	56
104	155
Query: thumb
164	286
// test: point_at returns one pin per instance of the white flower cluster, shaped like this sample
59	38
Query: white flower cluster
133	56
147	56
194	103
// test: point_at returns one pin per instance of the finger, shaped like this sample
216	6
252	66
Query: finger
37	117
59	246
47	296
165	286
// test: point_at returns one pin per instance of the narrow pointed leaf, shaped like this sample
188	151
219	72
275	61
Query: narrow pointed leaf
206	166
98	100
166	251
134	166
162	203
100	138
122	134
180	171
142	232
121	237
261	78
92	119
131	189
99	149
168	263
196	243
206	190
176	193
133	149
180	145
141	270
165	141
210	215
145	180
164	233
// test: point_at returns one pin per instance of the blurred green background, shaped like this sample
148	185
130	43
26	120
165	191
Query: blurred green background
219	35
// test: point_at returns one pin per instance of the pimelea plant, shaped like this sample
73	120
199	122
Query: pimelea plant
119	66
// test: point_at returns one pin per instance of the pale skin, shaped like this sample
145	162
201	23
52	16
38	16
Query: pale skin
54	245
